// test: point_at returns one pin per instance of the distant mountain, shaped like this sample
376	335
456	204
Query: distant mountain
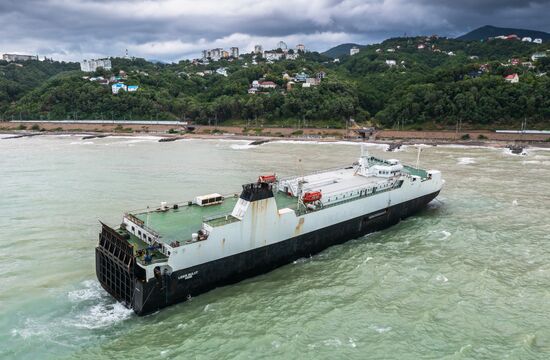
340	50
487	31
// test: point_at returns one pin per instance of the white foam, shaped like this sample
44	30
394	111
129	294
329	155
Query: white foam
92	290
381	329
509	152
441	278
332	342
446	234
82	143
102	315
466	161
515	203
243	147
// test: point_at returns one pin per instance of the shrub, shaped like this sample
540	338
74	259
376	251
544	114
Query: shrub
298	132
465	137
171	131
35	127
21	127
482	137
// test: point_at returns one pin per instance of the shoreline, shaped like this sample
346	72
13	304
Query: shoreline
268	134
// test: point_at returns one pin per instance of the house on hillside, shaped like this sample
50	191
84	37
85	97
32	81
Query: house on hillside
273	55
391	63
527	39
354	50
321	75
537	41
221	71
115	88
421	46
267	85
512	78
313	81
132	88
290	85
537	56
301	77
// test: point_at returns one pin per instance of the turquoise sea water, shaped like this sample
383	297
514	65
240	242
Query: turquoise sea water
468	278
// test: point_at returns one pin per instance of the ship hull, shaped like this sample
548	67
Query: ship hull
165	290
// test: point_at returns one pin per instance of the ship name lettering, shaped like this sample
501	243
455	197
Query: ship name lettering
188	275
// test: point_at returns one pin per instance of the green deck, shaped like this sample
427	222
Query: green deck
139	244
179	224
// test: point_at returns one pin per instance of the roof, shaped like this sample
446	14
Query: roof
511	76
267	83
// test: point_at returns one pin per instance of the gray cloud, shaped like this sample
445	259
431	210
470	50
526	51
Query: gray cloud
172	29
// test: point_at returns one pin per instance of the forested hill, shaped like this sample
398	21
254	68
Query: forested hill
340	50
489	31
408	82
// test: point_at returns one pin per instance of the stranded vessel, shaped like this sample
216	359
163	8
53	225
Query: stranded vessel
160	257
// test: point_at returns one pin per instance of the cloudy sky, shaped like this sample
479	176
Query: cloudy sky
170	30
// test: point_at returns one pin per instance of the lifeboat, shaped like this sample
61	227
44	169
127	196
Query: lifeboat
311	196
268	179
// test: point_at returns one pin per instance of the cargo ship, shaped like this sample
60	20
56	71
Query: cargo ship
166	255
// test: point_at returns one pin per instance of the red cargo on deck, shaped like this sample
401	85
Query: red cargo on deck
311	196
267	179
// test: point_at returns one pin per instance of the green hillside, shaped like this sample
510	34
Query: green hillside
489	31
407	82
340	50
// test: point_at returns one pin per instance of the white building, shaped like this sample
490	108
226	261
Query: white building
354	50
282	45
292	56
301	47
538	41
391	63
273	55
258	49
527	39
215	54
513	78
234	51
17	57
93	64
115	88
221	71
537	56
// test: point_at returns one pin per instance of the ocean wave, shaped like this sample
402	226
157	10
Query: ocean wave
82	143
243	147
446	235
509	152
91	291
466	161
102	315
381	329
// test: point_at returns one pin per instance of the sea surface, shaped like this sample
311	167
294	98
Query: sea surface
467	278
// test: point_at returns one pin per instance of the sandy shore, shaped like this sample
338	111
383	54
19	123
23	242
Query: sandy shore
476	137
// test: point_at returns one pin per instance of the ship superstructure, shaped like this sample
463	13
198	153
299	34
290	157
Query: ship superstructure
166	255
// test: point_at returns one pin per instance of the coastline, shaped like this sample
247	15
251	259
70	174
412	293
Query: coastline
171	132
